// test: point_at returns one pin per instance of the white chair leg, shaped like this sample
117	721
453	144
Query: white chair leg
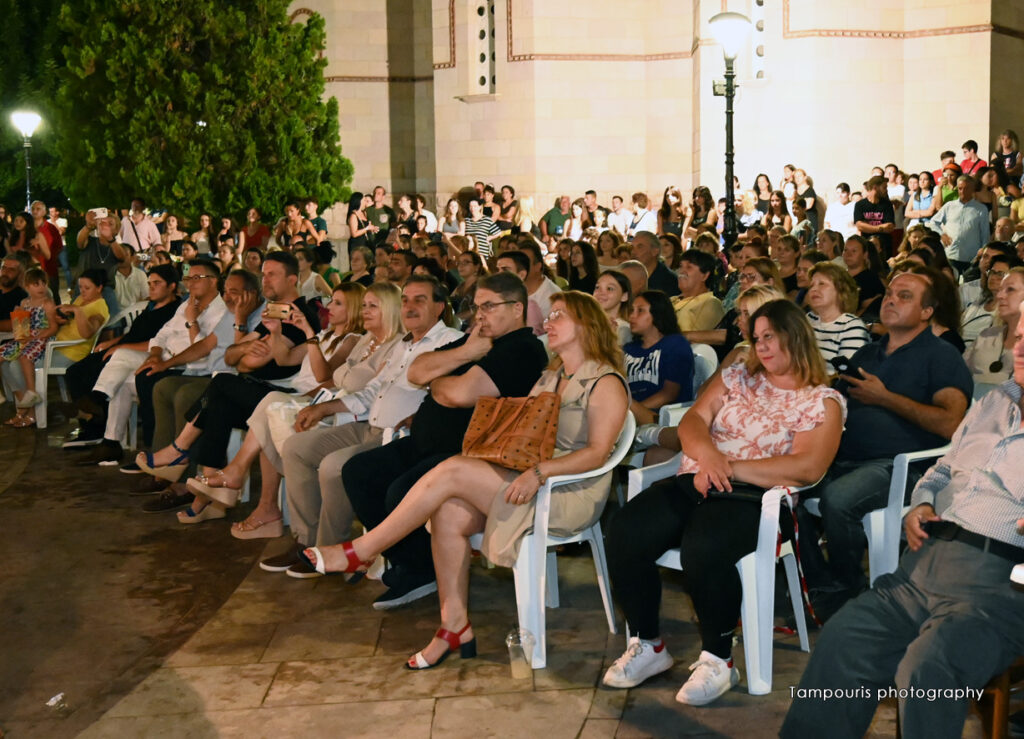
41	388
552	580
63	389
530	575
758	659
282	503
793	579
596	540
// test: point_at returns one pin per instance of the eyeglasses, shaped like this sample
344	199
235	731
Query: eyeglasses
554	316
747	278
488	307
997	273
192	278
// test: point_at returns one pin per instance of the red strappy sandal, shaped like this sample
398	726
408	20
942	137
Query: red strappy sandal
466	651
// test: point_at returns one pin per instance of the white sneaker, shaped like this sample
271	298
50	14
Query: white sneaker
712	676
639	662
646	436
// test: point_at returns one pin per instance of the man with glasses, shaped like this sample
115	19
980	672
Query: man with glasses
499	357
93	381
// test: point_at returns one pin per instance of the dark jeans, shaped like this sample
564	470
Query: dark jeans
82	375
226	404
376	481
144	390
713	535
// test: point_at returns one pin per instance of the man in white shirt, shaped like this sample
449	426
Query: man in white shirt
421	210
129	281
137	230
898	196
620	217
318	505
839	214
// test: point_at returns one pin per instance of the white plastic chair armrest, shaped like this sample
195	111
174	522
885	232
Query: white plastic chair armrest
644	477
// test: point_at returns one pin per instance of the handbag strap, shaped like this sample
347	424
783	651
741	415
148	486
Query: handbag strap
791	505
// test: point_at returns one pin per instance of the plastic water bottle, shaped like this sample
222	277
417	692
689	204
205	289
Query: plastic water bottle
520	653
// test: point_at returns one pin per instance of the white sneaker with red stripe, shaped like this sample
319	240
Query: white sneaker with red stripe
711	677
641	660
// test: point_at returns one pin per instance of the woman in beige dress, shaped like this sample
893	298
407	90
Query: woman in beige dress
463	496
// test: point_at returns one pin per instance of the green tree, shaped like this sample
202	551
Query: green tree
196	105
29	61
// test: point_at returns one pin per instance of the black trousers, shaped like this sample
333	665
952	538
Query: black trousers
226	404
83	374
376	481
713	534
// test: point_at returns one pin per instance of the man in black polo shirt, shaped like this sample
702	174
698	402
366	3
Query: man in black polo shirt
11	291
499	357
646	249
908	392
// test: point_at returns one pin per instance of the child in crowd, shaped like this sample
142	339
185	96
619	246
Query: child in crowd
29	344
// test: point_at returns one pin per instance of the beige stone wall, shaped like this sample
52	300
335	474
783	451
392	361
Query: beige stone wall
616	95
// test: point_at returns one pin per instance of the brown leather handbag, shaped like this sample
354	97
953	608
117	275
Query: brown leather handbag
516	433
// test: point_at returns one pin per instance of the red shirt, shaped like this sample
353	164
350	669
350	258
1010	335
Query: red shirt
970	168
53	239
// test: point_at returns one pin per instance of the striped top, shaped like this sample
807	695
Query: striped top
481	230
841	337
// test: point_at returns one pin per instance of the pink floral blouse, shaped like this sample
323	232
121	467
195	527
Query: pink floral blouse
758	420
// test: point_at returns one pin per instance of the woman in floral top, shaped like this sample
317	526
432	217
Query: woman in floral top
765	422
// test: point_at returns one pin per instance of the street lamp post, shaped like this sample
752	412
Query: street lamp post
26	122
730	30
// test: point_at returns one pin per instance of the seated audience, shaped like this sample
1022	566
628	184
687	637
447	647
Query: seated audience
979	314
696	307
769	421
615	296
865	267
659	360
584	269
646	249
499	357
907	392
948	617
29	344
462	496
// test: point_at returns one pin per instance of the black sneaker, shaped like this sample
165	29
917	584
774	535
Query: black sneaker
303	570
404	590
169	501
148	485
282	562
131	468
83	436
107	454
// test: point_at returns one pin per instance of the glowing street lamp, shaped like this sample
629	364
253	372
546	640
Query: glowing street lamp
730	31
26	122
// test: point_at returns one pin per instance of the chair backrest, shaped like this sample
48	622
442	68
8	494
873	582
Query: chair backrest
128	315
705	362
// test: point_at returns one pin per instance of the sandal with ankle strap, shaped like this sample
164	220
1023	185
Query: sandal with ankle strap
256	528
222	494
171	472
466	651
316	561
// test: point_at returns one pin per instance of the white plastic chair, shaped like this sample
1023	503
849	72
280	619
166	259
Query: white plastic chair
757	576
883	526
47	369
705	362
536	569
128	315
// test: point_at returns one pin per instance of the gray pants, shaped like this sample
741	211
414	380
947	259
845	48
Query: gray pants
318	506
947	619
172	397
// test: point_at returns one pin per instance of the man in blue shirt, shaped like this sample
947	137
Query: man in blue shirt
907	392
963	223
947	620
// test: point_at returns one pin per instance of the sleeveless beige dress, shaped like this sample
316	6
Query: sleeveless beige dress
573	507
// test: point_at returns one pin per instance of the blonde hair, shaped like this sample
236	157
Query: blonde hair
598	340
352	292
390	307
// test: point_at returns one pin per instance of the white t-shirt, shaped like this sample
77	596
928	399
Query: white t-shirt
542	296
898	196
839	217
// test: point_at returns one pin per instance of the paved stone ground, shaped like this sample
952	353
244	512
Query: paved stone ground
154	629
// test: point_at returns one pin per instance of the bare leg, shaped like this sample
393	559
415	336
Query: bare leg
267	508
234	473
28	368
451	526
188	436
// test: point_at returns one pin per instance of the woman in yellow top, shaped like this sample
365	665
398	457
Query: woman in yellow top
82	319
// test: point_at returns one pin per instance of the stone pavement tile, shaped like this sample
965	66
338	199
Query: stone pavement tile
599	728
569	668
29	703
553	714
224	642
289	602
35	729
356	680
405	718
608	702
313	640
197	689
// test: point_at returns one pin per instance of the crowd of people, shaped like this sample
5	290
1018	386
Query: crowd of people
847	334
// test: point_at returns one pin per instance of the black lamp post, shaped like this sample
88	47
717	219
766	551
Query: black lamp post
730	30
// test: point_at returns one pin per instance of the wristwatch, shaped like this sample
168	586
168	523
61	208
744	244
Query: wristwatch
239	327
189	324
